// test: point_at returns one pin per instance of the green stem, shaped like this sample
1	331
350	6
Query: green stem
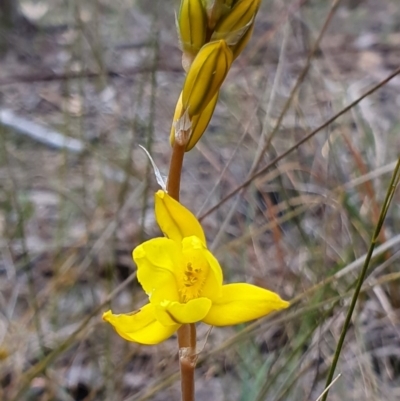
187	332
389	196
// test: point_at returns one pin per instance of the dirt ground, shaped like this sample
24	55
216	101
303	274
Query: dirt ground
87	83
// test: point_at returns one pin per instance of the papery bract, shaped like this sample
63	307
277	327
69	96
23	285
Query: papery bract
241	44
195	125
237	26
216	9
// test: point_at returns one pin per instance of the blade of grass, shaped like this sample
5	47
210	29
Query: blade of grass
388	199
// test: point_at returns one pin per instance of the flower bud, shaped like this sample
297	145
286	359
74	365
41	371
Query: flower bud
241	44
205	77
216	10
234	26
197	126
192	26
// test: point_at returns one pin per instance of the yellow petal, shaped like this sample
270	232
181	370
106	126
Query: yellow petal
156	261
172	313
140	326
243	302
197	278
175	221
212	288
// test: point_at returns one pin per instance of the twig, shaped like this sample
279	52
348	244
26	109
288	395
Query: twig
51	76
39	132
299	143
265	139
297	85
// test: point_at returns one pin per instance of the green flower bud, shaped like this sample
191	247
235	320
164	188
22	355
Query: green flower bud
205	76
192	26
234	26
195	127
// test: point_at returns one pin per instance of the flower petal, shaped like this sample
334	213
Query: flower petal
172	313
212	288
140	326
242	302
157	260
175	221
205	267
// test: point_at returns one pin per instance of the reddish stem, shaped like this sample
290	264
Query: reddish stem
187	332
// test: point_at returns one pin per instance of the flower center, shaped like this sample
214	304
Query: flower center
194	273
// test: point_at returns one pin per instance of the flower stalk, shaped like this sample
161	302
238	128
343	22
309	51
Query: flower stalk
175	170
187	359
187	332
182	278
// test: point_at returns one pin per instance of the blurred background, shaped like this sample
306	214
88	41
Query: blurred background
83	83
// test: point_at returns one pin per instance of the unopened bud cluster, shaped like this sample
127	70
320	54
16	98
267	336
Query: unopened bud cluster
212	34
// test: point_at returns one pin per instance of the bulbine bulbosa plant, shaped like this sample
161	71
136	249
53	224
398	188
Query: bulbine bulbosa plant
182	278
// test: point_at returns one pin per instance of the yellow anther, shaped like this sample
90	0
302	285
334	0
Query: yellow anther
194	274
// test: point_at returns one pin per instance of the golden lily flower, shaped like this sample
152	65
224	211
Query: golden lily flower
184	282
196	126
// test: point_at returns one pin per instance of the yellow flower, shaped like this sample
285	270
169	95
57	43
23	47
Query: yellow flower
184	282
